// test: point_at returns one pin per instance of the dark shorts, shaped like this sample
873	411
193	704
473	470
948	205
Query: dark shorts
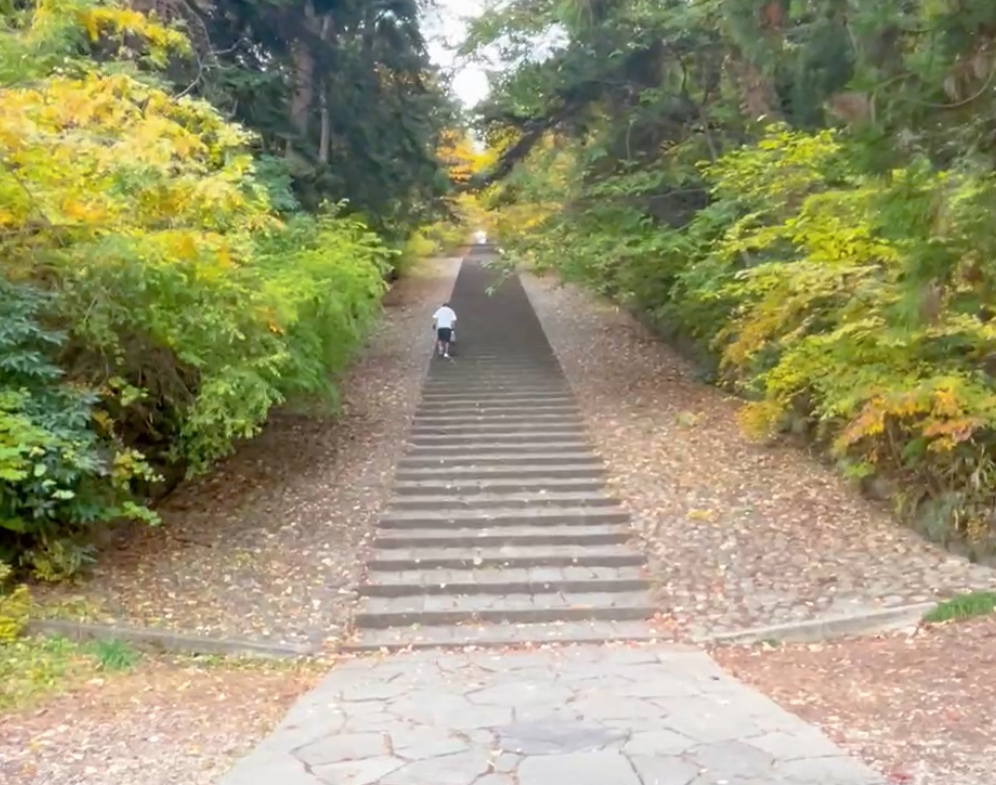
444	334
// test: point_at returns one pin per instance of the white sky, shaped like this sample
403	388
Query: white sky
444	33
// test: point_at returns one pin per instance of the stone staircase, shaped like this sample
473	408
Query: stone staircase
500	531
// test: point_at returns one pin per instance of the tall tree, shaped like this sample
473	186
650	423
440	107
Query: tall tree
341	92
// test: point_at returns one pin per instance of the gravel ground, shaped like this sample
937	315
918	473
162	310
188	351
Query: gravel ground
270	546
164	724
741	535
919	707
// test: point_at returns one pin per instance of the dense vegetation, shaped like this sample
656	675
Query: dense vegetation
176	257
801	191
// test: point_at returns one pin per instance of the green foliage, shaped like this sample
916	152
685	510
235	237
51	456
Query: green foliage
342	90
112	654
679	158
962	607
159	295
15	607
31	668
58	475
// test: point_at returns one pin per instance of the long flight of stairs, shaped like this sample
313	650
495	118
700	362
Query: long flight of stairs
500	531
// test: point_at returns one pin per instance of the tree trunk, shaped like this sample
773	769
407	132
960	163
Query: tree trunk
304	79
325	140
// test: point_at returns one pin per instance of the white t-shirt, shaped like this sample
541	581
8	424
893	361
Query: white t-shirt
444	318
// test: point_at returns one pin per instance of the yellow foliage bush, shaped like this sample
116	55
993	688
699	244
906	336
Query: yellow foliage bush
853	308
153	305
15	607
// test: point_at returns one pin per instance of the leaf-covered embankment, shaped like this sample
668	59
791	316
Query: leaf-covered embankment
805	195
162	288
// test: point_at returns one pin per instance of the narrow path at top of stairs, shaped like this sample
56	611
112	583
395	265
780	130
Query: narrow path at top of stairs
500	531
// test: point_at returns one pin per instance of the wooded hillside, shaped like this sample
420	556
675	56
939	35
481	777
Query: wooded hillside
176	255
801	190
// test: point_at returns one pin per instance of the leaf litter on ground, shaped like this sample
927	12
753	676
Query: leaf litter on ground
269	546
740	534
917	705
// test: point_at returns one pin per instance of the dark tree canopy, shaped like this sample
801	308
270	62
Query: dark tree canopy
341	93
801	191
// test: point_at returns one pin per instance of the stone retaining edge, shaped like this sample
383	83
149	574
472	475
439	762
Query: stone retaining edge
167	641
819	630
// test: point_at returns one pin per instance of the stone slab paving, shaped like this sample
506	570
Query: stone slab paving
583	715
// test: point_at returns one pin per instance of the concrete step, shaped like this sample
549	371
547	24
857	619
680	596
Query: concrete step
512	500
383	612
517	420
469	366
477	408
475	433
496	636
509	419
468	486
499	459
495	472
538	352
518	402
477	413
487	537
504	581
496	374
494	377
462	451
494	439
506	556
548	516
491	386
522	397
496	395
489	427
500	375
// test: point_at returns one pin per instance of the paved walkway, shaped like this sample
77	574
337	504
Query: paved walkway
500	532
583	715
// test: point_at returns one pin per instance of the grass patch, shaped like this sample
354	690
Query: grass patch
34	668
113	655
31	668
963	606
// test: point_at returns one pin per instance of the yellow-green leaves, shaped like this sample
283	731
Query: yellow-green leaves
186	307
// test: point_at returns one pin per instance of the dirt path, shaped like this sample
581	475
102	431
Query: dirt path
167	723
268	546
917	707
743	535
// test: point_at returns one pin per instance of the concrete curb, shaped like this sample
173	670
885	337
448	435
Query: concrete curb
818	630
159	641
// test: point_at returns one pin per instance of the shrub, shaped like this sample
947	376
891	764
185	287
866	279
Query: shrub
155	307
15	607
853	308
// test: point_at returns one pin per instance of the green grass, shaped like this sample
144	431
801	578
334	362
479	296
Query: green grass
34	668
31	668
963	606
113	655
